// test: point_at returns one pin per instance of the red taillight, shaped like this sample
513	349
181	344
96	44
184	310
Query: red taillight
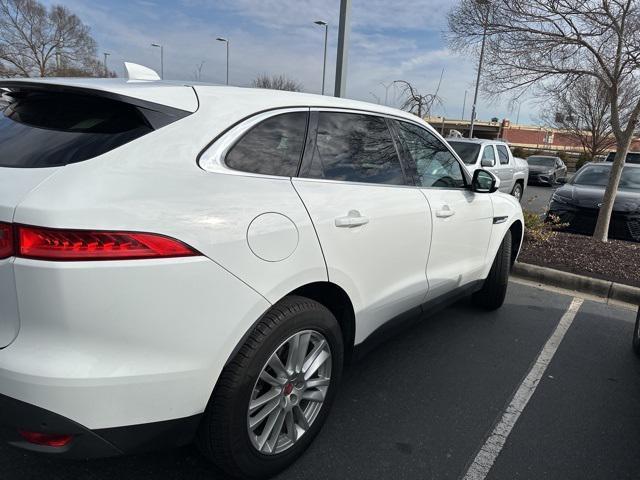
6	240
62	244
48	439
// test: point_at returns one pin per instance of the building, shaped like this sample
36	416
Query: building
525	136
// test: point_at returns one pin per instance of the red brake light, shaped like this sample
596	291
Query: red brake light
6	240
59	244
48	439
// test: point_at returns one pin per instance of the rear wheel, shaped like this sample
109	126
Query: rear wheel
273	397
491	295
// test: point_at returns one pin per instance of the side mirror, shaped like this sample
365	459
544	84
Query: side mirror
484	182
487	162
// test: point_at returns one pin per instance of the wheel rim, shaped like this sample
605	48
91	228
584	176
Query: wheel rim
289	393
517	192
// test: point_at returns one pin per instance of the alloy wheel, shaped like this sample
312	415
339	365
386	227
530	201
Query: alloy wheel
289	393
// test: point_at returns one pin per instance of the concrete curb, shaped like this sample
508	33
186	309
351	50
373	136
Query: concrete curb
571	281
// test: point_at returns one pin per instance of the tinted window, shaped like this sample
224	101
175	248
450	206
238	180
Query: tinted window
598	176
354	148
272	147
632	157
50	129
488	153
430	161
503	154
467	151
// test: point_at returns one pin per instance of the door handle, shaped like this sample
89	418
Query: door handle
352	219
445	212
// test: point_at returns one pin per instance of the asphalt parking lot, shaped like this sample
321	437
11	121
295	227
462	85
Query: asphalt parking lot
423	404
536	198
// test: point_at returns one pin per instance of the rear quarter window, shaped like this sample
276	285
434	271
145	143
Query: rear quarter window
50	129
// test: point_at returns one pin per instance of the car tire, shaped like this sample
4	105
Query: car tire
517	191
494	289
636	335
225	434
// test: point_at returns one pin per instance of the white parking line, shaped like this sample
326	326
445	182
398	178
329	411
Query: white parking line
491	449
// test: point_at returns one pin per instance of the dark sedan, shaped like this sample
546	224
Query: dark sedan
578	202
546	170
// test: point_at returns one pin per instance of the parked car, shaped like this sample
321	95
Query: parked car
546	170
185	262
578	202
632	157
495	156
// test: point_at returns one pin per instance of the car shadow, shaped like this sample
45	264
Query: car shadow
416	405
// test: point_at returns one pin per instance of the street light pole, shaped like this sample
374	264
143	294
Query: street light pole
226	41
464	104
106	69
161	58
484	38
343	47
324	62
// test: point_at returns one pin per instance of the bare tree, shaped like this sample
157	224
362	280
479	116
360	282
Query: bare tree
414	101
550	45
36	41
276	82
197	74
584	112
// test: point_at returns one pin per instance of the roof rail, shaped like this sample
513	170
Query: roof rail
140	72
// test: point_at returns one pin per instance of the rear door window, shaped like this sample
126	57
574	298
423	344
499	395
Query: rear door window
52	129
489	154
273	147
503	154
354	148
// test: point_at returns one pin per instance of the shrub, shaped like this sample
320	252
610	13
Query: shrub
539	229
582	159
518	152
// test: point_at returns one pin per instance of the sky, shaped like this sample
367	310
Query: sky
389	40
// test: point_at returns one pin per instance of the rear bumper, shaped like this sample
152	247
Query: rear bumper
16	415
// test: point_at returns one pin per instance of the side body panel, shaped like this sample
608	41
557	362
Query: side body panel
459	241
381	264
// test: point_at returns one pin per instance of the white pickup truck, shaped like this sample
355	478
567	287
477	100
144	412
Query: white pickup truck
495	156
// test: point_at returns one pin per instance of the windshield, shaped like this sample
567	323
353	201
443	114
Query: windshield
598	176
468	152
542	161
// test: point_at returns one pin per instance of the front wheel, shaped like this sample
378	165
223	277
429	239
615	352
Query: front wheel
517	191
494	289
273	397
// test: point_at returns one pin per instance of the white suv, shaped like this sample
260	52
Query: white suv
199	262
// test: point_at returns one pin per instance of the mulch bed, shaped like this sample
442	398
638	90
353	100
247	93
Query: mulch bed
616	261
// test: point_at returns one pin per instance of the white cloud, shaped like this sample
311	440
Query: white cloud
389	41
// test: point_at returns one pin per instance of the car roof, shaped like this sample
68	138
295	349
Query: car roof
172	94
476	140
543	156
181	95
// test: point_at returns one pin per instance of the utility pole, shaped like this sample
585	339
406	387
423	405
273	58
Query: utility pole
464	104
484	39
324	24
161	47
343	48
226	41
106	69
